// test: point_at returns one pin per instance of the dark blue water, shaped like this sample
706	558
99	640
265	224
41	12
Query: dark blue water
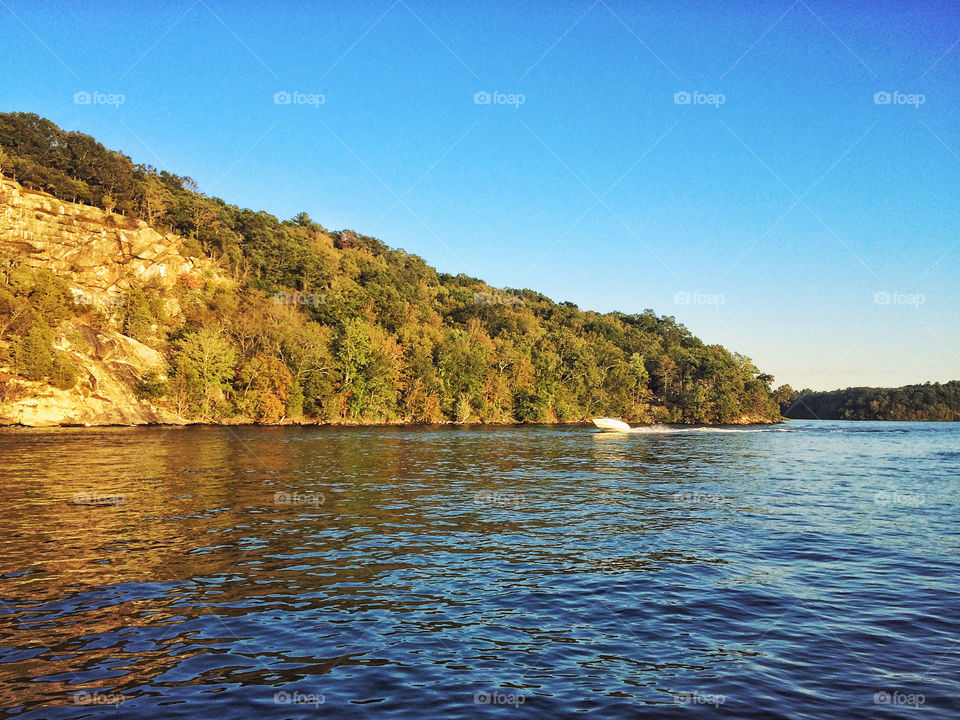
809	570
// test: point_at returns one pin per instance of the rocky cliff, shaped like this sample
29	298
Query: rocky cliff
100	255
109	367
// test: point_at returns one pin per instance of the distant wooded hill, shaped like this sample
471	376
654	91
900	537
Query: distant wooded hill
930	401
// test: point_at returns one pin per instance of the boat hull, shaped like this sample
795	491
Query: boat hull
611	425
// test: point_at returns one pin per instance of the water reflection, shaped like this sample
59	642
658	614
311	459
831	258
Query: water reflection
389	565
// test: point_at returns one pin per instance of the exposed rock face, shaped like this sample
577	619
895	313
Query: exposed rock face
104	394
100	255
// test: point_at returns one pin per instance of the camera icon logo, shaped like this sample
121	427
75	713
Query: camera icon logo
681	98
681	298
881	298
481	98
81	98
281	98
881	98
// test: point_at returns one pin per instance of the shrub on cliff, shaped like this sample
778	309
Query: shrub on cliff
33	302
62	373
143	313
33	351
40	290
152	386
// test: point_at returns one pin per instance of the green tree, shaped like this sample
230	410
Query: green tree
143	314
33	350
264	389
202	367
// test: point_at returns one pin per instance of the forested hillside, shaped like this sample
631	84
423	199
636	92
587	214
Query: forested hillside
298	321
930	401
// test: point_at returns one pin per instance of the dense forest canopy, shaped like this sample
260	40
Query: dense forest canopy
338	326
930	401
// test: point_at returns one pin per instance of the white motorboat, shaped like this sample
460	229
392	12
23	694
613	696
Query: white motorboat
611	425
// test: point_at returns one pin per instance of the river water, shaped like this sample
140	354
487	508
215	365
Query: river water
807	570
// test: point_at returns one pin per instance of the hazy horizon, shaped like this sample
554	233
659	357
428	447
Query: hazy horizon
779	180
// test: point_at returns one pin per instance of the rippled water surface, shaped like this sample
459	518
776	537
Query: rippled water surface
808	570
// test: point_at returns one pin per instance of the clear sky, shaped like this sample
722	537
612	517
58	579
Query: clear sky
785	211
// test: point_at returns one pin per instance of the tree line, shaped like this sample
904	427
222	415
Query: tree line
309	322
929	401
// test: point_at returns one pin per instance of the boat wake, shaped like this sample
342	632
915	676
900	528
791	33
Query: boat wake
674	429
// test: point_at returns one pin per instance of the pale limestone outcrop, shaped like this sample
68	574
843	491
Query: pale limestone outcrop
99	255
109	366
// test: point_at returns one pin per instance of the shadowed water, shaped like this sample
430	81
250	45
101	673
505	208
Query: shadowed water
802	571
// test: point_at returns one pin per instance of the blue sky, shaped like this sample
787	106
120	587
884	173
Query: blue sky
786	211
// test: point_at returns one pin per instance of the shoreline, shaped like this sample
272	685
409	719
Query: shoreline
350	423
